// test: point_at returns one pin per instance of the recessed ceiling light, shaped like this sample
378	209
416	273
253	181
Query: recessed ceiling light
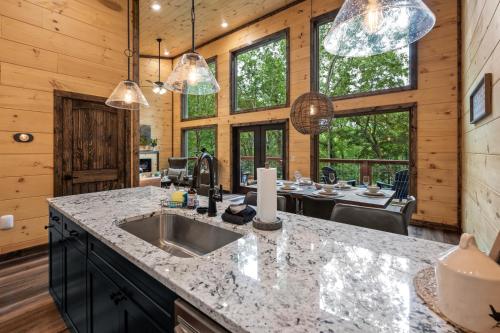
224	24
155	6
166	52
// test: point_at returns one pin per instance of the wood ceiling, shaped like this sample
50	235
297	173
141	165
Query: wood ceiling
172	22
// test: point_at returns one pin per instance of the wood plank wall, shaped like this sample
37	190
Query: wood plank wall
481	142
159	113
73	45
436	98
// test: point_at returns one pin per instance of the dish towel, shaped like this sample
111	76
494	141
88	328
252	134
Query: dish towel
238	214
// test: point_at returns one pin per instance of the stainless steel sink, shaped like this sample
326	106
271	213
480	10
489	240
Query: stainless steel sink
179	235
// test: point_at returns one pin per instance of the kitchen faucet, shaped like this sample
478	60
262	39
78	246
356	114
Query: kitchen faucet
214	194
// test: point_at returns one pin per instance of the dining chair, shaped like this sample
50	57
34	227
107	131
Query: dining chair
400	185
375	218
251	199
317	207
325	177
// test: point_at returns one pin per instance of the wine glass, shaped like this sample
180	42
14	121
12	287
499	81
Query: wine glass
331	177
366	180
297	175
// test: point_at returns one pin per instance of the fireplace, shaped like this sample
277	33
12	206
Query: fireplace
145	164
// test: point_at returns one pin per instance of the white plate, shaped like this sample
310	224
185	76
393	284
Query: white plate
291	188
326	194
377	194
347	187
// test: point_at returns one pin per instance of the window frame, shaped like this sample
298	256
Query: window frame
186	129
411	108
314	55
253	45
184	97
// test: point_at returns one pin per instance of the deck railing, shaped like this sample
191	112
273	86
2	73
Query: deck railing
356	169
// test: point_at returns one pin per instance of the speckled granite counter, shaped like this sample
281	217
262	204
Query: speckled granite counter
311	276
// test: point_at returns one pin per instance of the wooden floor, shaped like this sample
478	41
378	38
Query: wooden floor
26	306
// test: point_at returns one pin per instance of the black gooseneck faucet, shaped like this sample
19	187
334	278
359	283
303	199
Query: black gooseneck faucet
214	194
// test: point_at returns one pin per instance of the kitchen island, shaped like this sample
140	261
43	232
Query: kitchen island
311	276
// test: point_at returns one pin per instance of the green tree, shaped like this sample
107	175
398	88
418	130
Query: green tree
261	76
196	106
375	136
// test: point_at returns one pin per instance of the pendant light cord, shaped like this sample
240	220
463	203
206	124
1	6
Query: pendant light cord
128	52
159	58
192	26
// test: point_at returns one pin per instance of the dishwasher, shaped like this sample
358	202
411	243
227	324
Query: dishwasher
191	320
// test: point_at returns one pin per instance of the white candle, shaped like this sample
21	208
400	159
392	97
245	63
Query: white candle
266	194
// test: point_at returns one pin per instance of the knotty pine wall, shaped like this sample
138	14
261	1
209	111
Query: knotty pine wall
159	113
481	142
73	45
436	96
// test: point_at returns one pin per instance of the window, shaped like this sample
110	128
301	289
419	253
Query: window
194	139
376	145
259	74
340	77
201	106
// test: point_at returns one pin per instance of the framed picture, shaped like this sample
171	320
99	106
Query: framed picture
480	99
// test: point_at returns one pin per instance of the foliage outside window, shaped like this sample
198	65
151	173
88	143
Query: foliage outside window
260	74
341	76
195	139
200	106
381	136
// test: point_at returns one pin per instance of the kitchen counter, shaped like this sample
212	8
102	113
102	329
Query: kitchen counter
311	276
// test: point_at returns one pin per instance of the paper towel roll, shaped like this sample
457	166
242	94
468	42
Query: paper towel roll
266	194
7	222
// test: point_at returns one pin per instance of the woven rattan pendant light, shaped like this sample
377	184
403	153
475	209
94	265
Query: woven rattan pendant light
312	112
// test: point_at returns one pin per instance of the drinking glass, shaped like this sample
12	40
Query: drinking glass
366	181
297	176
331	177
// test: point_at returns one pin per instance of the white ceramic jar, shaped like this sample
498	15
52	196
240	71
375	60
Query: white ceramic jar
468	285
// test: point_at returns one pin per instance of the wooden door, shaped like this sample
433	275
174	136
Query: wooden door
91	145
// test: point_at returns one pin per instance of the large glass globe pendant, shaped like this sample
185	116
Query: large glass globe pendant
367	27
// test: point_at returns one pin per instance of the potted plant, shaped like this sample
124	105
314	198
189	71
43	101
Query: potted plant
154	143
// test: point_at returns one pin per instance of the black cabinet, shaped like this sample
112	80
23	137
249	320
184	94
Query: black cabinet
98	290
104	314
56	254
75	268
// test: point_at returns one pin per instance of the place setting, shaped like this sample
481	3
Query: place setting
288	186
372	191
327	191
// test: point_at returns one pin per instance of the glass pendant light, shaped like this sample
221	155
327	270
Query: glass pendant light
158	86
191	75
127	94
367	27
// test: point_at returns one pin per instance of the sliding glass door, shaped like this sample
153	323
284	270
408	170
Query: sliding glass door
253	147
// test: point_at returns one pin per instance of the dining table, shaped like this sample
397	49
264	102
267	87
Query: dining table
351	195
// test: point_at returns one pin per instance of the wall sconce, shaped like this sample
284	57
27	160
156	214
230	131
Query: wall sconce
23	137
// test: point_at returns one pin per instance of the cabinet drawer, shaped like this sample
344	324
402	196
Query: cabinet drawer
74	235
146	292
55	220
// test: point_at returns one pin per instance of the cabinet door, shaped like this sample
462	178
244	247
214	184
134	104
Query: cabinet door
135	319
56	254
75	286
104	313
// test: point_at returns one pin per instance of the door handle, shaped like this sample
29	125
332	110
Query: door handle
68	177
48	226
73	233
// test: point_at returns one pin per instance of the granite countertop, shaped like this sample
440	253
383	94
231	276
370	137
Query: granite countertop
311	276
